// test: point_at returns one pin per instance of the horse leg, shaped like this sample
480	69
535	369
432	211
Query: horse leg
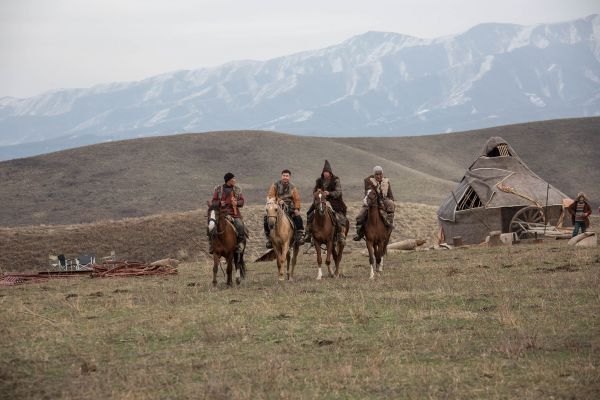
340	250
237	262
319	259
230	270
337	258
281	260
280	264
294	258
371	258
328	258
379	258
216	262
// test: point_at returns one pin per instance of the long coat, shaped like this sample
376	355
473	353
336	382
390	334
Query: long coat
334	187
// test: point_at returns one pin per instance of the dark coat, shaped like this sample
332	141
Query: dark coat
335	192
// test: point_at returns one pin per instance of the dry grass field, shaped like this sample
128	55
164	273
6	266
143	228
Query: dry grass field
472	322
513	322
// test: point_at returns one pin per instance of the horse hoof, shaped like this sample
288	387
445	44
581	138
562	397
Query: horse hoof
214	283
372	276
238	281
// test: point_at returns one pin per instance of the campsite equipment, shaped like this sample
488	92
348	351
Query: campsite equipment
500	193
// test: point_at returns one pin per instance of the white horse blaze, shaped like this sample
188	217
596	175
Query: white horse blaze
211	224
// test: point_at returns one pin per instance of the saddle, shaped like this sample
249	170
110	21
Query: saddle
339	219
289	218
230	221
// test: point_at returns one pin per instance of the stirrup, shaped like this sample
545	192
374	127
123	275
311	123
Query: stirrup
269	245
358	237
299	238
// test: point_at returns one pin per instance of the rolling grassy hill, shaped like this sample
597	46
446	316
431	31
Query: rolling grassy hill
148	176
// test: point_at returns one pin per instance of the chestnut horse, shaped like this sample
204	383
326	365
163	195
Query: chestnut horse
282	237
224	242
323	232
376	233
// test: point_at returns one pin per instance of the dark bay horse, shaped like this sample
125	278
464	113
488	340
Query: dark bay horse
224	242
323	232
376	233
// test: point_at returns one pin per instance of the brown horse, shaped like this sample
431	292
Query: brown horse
376	233
323	232
224	242
282	237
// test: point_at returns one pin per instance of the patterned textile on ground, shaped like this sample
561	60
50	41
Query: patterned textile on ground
106	269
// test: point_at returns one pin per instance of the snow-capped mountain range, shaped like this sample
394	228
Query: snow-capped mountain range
377	83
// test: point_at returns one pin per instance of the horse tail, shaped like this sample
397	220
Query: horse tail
240	264
242	267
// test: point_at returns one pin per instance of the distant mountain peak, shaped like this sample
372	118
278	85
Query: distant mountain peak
375	83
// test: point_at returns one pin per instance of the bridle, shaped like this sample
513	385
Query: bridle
378	198
278	210
217	212
322	202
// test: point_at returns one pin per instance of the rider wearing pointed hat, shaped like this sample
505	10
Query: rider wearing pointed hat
332	188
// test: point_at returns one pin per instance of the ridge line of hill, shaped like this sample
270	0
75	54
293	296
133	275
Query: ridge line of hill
402	166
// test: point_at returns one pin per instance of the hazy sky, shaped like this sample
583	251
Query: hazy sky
78	43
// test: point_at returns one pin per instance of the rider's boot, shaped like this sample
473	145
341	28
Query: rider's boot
341	238
239	248
299	239
268	243
308	233
359	233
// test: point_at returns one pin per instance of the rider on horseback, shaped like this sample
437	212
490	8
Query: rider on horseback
384	190
230	198
287	195
332	189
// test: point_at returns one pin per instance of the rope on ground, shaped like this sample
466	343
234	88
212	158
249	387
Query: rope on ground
106	269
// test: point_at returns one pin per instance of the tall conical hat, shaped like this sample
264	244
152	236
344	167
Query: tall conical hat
327	167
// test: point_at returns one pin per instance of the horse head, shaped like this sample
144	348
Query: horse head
272	209
213	215
372	198
319	201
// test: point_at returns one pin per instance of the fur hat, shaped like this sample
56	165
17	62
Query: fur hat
377	169
581	194
228	176
327	167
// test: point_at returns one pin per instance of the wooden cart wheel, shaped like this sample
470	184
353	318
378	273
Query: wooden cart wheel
525	216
